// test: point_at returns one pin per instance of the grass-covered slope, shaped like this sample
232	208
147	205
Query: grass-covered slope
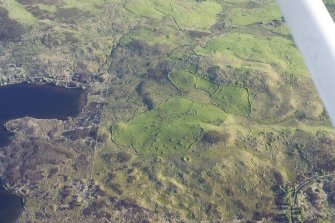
207	86
253	14
272	50
170	128
188	14
232	99
183	80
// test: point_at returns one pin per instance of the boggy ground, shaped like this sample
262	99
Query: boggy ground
267	158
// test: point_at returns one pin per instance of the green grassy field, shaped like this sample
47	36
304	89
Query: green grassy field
249	16
233	100
17	12
183	80
187	14
206	86
273	50
170	128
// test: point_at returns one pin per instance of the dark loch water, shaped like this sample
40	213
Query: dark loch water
37	101
4	135
10	205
